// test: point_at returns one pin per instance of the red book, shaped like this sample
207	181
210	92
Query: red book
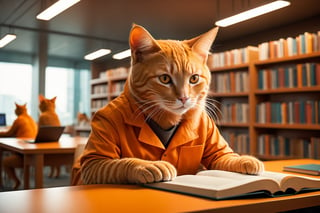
309	112
299	75
267	145
318	74
281	76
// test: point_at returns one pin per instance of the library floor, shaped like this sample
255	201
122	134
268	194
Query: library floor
62	180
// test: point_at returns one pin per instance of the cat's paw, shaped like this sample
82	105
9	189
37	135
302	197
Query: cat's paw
250	165
153	171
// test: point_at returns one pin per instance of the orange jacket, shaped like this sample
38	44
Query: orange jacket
119	130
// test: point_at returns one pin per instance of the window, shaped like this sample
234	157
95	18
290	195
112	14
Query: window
71	86
15	86
84	92
72	90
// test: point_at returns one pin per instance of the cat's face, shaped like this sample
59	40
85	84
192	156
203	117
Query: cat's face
169	76
173	79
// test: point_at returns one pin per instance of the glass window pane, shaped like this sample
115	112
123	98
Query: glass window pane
60	83
15	86
84	92
72	88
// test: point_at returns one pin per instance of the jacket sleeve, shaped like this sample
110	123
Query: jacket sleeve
102	147
216	147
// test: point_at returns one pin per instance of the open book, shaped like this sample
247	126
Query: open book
217	184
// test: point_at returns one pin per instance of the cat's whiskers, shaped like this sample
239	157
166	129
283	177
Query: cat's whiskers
144	108
212	109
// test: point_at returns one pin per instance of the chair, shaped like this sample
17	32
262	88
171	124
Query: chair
76	164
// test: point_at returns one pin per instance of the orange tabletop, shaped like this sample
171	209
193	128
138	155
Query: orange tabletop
34	153
133	198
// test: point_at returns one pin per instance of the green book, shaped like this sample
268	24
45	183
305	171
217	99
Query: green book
310	169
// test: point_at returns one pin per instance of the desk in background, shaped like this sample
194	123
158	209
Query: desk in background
34	154
82	130
133	198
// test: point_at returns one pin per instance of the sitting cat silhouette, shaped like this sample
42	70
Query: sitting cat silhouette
23	127
49	117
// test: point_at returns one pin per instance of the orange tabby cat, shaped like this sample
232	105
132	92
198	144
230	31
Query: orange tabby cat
82	119
49	117
158	127
25	127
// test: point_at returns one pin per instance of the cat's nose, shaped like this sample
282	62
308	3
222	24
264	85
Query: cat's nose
184	99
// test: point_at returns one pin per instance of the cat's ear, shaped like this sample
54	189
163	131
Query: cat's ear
41	97
202	44
54	99
141	43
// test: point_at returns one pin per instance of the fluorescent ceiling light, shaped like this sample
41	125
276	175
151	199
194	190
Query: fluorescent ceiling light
252	13
122	55
7	39
55	9
97	54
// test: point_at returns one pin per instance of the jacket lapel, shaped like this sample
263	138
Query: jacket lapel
184	134
135	117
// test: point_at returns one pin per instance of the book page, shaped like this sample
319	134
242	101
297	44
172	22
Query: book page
286	181
241	177
218	186
296	182
277	176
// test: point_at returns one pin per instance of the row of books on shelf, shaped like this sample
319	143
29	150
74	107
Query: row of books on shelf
280	146
98	103
117	87
235	113
292	76
117	72
239	142
100	89
230	82
302	44
291	112
230	58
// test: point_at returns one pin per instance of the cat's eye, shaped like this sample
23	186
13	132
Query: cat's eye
194	79
165	79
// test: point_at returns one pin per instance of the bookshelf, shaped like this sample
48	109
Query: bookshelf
106	85
287	99
278	115
231	89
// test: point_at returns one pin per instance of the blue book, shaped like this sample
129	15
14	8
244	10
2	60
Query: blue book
310	169
313	74
302	112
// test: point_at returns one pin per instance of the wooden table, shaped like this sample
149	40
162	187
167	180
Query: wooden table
34	154
133	198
